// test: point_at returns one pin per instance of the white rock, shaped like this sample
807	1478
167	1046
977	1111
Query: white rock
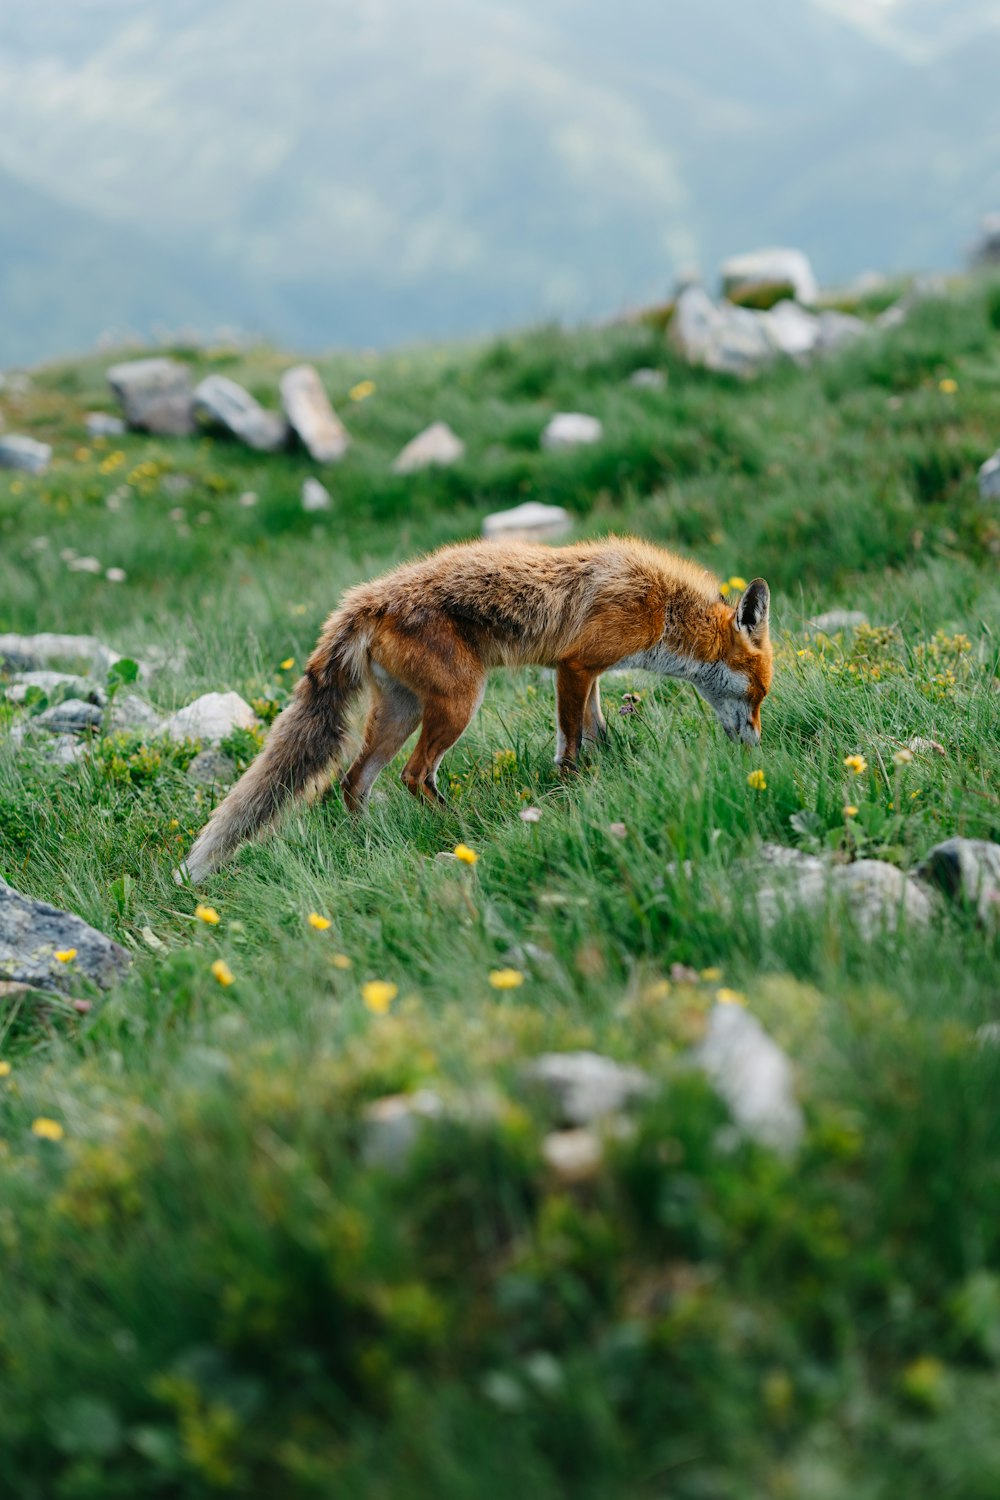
155	395
583	1086
248	499
48	682
393	1125
573	1155
436	445
729	340
220	402
115	575
760	269
836	620
793	331
877	895
312	418
969	870
102	424
72	716
315	496
530	522
751	1073
33	651
989	478
648	379
837	329
130	712
211	717
24	453
571	429
85	565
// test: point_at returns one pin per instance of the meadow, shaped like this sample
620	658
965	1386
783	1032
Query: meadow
208	1286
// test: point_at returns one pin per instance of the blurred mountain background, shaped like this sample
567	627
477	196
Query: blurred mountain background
326	173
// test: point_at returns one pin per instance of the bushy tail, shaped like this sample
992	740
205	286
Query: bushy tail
304	739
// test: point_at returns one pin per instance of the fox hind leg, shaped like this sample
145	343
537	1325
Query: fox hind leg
445	720
392	717
595	726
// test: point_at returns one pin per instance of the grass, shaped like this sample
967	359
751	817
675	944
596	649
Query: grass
206	1290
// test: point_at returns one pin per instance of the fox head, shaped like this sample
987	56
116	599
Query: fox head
743	673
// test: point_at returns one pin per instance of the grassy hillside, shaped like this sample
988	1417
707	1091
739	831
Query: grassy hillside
207	1289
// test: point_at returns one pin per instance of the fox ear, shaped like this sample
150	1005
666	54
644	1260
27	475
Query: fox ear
753	610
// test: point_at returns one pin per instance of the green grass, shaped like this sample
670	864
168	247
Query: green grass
204	1288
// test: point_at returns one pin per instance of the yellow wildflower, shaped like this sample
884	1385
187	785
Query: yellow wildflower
738	583
724	589
287	664
223	973
46	1129
315	920
757	780
4	1069
856	763
378	995
65	955
711	974
506	979
81	455
948	385
850	811
362	390
730	997
340	961
465	854
207	914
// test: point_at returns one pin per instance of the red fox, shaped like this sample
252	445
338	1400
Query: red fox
423	637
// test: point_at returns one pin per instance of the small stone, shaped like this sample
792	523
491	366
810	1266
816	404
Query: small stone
530	522
759	269
132	714
989	478
754	1077
85	565
648	379
967	870
315	496
581	1087
836	620
155	395
248	499
437	446
103	424
32	932
618	830
220	402
212	768
574	1156
311	417
393	1125
571	429
73	716
878	895
988	1035
115	575
50	682
211	717
24	453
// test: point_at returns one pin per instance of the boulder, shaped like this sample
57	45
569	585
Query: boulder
837	329
392	1126
571	429
793	331
986	250
877	895
648	379
51	682
311	417
220	402
132	714
30	652
315	496
32	932
729	340
989	478
836	620
436	445
758	270
211	717
967	870
750	1072
24	453
530	522
211	768
580	1087
73	716
103	424
155	395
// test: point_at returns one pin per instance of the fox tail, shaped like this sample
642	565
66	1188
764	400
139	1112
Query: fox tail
304	739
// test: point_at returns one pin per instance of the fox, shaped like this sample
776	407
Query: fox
423	637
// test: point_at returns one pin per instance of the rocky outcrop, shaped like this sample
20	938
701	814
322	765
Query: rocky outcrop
33	935
24	453
220	402
759	270
155	395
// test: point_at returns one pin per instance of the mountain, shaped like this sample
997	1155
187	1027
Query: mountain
328	172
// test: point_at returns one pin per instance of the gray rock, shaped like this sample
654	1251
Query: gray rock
759	269
32	932
220	402
581	1087
130	713
212	768
989	478
877	895
648	379
794	332
64	751
155	395
571	429
73	716
837	329
729	340
30	652
211	717
967	870
436	446
986	250
750	1072
50	682
836	620
392	1126
530	522
24	453
315	496
102	424
85	565
312	418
